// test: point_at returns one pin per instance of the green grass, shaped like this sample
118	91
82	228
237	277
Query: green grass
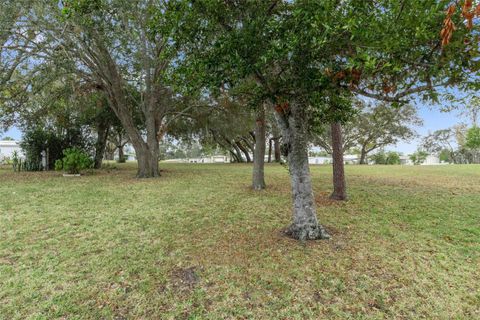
199	244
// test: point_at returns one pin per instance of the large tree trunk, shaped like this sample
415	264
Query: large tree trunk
363	156
113	83
339	184
292	122
258	180
100	145
147	162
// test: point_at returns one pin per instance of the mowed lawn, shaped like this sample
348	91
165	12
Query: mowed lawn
197	243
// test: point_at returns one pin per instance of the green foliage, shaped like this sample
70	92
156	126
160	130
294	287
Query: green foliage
379	157
419	157
312	50
37	140
74	161
473	138
393	157
16	161
383	157
445	155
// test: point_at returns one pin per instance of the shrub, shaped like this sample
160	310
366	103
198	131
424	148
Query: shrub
419	157
38	139
74	161
392	158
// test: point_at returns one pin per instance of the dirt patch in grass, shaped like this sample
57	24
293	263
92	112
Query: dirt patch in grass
184	279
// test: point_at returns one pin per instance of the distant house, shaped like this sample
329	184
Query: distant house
206	159
431	160
405	160
210	159
347	159
8	147
319	160
351	159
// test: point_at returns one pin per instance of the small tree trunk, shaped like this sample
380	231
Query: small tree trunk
234	156
339	185
238	152
258	180
121	154
278	154
102	135
270	141
244	150
250	145
305	225
363	156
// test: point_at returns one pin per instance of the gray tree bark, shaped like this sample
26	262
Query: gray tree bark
100	145
121	154
270	142
258	180
244	150
238	152
305	226
363	156
339	184
277	151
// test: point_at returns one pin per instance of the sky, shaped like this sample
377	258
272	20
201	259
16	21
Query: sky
433	120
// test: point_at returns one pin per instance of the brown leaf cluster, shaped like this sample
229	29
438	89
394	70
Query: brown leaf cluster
468	13
448	26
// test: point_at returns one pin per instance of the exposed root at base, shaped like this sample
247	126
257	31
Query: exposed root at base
304	233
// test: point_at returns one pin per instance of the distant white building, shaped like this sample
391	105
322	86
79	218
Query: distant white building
431	160
210	159
206	159
405	160
8	147
319	160
347	159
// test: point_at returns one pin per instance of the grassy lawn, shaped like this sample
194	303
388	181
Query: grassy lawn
199	244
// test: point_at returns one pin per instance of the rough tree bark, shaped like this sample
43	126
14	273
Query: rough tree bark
121	154
101	144
305	226
146	151
339	184
238	152
270	150
250	145
244	150
258	180
277	151
363	156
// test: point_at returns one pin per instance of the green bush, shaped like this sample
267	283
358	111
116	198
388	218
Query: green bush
74	161
38	139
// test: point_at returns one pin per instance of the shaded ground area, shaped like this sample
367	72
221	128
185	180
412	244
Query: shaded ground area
199	244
